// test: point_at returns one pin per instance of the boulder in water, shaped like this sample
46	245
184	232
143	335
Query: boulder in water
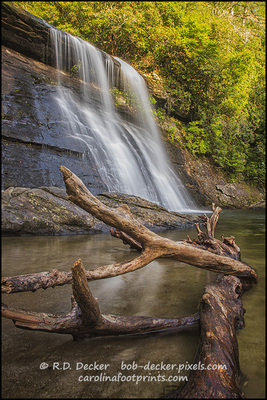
47	211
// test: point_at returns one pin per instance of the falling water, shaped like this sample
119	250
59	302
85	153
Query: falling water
130	157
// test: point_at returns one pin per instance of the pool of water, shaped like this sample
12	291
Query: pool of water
164	288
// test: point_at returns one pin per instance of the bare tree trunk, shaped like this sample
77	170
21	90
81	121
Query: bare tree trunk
217	375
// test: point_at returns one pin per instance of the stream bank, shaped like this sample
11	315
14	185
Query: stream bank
47	211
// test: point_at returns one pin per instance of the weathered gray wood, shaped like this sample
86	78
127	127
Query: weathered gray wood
85	319
218	373
207	252
122	219
221	311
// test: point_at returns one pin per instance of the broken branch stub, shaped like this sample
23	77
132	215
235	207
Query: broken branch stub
88	305
227	247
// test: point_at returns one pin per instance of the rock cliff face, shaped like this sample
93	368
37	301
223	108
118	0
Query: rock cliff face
33	148
210	186
33	145
25	33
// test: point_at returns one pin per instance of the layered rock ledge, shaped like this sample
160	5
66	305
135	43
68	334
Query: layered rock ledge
47	211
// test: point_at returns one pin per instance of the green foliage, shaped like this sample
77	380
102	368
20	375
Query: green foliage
74	71
174	135
122	97
210	57
160	114
195	138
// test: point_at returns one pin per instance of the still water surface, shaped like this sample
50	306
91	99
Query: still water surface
164	288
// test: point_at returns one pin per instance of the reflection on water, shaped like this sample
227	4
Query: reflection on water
164	288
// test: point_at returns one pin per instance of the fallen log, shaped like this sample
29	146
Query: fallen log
207	252
221	311
86	321
217	375
122	219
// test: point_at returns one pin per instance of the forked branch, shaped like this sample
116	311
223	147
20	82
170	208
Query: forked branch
220	314
207	252
86	321
123	221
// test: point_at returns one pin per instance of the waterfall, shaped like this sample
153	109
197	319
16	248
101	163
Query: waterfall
130	157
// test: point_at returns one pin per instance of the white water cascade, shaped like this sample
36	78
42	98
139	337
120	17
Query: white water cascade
130	157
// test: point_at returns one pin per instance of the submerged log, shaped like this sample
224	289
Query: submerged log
86	321
217	375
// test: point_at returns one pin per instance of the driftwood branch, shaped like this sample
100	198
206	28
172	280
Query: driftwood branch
86	321
207	252
220	314
122	219
45	280
207	241
217	375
